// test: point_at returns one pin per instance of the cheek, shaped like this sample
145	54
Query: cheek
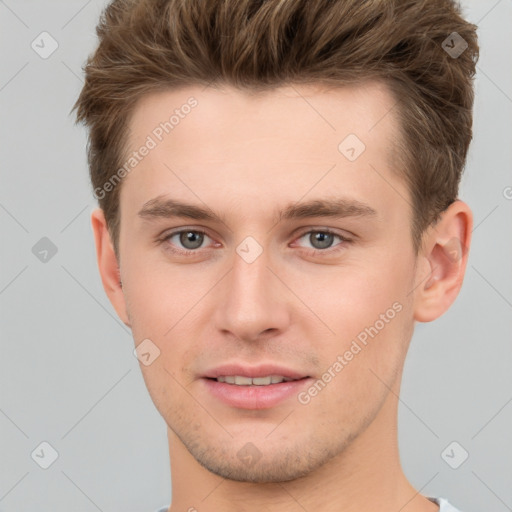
370	311
360	370
164	304
348	299
157	296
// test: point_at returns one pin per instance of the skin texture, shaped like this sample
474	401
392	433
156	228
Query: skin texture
245	157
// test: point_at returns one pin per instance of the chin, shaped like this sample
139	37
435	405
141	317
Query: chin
270	472
278	464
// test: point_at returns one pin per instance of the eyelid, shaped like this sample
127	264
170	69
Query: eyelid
174	231
321	229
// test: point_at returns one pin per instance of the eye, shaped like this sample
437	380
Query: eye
188	239
322	240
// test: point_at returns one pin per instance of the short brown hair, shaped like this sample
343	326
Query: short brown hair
151	45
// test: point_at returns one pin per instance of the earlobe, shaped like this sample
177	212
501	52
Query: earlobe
443	262
108	265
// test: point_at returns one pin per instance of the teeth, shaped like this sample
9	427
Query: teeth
239	380
242	381
264	381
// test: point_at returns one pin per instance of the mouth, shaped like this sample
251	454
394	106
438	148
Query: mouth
254	388
241	380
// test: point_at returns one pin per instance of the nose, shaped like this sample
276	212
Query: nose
253	304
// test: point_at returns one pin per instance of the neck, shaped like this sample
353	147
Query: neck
366	476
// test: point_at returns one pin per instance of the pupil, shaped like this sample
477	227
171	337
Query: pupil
191	240
321	240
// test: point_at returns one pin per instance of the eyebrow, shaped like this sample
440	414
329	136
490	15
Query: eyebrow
336	208
162	207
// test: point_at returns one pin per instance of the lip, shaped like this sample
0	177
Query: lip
262	370
254	397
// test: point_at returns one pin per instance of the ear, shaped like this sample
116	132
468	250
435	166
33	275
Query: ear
442	262
108	265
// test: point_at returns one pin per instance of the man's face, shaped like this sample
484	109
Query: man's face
270	282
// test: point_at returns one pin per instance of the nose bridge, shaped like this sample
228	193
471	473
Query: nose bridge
249	277
253	303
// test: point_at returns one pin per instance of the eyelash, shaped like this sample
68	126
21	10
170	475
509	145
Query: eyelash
315	252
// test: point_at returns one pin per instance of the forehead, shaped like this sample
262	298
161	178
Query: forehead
309	119
223	142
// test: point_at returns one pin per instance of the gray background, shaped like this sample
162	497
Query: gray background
67	372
